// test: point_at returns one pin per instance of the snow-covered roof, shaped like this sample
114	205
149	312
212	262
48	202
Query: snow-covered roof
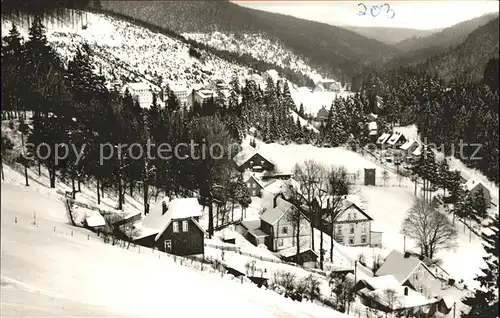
244	155
273	214
383	282
205	93
257	233
418	151
292	251
413	299
261	185
372	125
399	266
472	183
383	138
408	144
395	138
138	86
94	219
250	224
180	208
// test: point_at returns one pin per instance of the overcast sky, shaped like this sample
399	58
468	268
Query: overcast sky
408	14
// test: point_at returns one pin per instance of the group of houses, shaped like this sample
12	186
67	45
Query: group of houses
143	92
405	284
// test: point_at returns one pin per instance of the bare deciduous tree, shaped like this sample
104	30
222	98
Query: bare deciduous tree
338	187
429	227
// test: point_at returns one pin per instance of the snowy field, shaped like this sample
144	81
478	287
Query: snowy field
78	275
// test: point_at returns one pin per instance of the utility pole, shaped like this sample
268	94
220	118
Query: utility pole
404	243
454	305
355	271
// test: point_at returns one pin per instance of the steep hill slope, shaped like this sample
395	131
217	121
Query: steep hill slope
467	60
332	50
390	35
453	35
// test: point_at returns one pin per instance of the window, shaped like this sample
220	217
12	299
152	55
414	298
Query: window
249	185
167	244
340	239
351	240
280	242
363	239
351	230
339	228
175	227
163	207
262	163
284	230
184	226
363	228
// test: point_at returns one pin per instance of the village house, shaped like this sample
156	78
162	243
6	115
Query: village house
386	294
322	114
397	140
250	159
372	131
409	147
217	84
198	96
254	185
411	272
475	187
250	230
278	222
327	86
181	92
141	92
173	227
351	227
307	256
382	139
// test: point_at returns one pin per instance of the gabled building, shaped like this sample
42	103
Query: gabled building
254	185
397	140
409	147
278	222
351	227
382	139
250	159
322	114
327	86
181	92
410	271
173	227
141	92
475	187
198	96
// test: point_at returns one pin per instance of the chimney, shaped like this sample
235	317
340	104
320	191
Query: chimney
274	200
406	291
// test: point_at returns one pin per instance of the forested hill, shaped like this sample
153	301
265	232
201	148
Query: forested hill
466	61
391	35
417	50
338	52
450	36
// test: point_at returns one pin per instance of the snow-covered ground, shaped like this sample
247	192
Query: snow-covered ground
48	272
125	50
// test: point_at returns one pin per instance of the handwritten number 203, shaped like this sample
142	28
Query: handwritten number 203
376	10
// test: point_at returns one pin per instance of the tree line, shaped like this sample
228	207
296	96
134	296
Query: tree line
446	115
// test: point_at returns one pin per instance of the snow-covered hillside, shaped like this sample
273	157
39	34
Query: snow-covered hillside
52	269
258	47
125	50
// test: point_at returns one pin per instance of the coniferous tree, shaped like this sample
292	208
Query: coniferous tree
484	301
